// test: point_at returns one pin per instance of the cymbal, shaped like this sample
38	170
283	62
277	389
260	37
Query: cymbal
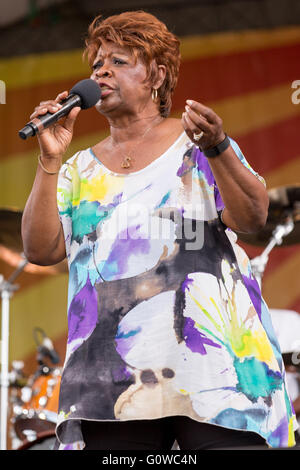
284	204
14	259
11	245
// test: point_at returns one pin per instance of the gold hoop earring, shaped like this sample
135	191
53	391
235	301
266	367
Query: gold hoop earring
154	95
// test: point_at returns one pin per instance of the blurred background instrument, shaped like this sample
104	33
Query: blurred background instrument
11	253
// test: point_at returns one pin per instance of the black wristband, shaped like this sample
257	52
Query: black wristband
215	151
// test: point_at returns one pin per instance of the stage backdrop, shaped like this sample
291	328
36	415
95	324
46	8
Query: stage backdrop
245	76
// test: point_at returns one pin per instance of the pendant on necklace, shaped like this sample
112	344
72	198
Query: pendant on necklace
126	163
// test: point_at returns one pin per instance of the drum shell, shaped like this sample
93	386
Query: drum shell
36	419
44	441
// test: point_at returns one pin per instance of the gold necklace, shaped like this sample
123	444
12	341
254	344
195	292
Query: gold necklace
127	160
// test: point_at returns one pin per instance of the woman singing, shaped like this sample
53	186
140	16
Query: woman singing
168	335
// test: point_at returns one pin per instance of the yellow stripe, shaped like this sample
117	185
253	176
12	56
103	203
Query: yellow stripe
249	112
286	174
240	115
36	69
17	173
225	43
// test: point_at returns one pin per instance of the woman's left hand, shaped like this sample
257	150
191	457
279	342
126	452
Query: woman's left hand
202	125
245	197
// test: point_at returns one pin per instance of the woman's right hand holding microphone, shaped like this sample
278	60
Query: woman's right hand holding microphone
55	139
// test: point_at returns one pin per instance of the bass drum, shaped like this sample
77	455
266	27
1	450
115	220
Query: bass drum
35	420
43	441
45	393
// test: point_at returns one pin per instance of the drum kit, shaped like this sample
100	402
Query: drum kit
30	403
34	400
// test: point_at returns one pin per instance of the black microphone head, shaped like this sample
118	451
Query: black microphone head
89	92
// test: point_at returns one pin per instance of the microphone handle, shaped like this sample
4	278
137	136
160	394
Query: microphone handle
40	123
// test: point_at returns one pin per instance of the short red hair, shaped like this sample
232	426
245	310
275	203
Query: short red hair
148	39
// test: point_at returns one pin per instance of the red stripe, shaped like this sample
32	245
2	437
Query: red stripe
266	148
204	79
277	256
214	78
270	147
295	305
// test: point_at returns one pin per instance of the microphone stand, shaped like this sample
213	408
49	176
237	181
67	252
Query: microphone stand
259	263
6	288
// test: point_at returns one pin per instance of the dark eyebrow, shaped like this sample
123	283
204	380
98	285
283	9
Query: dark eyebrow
122	55
95	64
110	54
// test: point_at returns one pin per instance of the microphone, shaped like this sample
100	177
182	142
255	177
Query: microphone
45	346
84	94
47	349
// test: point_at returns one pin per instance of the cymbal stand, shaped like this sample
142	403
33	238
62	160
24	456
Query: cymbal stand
259	263
6	288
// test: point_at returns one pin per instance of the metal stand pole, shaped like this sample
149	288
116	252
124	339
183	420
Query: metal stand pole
5	296
6	288
259	263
